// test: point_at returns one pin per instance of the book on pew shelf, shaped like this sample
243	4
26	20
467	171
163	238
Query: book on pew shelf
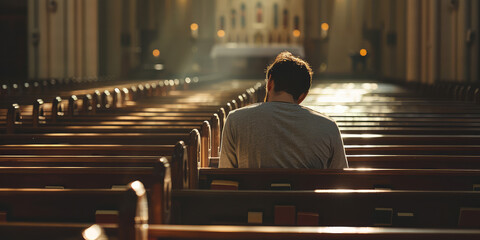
255	218
284	215
106	216
280	186
3	216
476	187
405	219
382	216
223	185
307	219
469	218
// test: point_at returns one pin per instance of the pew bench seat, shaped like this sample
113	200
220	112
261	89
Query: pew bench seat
96	138
87	149
77	161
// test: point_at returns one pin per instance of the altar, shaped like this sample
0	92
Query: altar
245	60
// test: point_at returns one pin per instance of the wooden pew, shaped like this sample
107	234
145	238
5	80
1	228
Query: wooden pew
207	129
77	161
71	231
165	138
384	139
75	177
75	206
415	115
415	161
185	159
412	130
423	209
398	117
412	149
82	149
434	108
405	161
106	129
95	138
407	124
219	232
349	178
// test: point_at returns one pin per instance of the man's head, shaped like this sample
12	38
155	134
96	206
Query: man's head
290	74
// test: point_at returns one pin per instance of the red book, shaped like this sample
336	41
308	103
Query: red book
307	219
284	215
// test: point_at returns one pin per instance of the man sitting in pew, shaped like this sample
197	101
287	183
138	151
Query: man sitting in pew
280	133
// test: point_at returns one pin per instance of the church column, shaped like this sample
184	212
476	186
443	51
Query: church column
473	41
55	31
112	36
412	41
33	39
70	39
401	39
424	41
79	40
431	42
90	32
128	35
461	46
42	60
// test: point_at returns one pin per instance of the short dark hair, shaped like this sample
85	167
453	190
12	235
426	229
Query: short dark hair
290	74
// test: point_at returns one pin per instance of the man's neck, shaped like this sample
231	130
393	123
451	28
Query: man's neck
280	97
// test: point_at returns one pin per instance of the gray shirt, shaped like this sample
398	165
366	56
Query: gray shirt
280	135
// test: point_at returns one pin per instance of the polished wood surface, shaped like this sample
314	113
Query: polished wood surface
272	232
362	178
336	207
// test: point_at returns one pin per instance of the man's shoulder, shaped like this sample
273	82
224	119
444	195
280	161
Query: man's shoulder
244	111
318	115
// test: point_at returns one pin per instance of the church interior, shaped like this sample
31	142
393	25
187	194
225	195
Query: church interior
112	113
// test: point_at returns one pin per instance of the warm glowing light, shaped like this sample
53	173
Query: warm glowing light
361	169
363	52
138	187
370	86
156	52
296	33
194	27
92	233
221	33
339	190
158	66
348	230
325	26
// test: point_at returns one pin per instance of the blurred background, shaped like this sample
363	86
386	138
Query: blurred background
398	40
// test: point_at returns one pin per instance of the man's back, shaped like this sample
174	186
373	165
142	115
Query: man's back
281	135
